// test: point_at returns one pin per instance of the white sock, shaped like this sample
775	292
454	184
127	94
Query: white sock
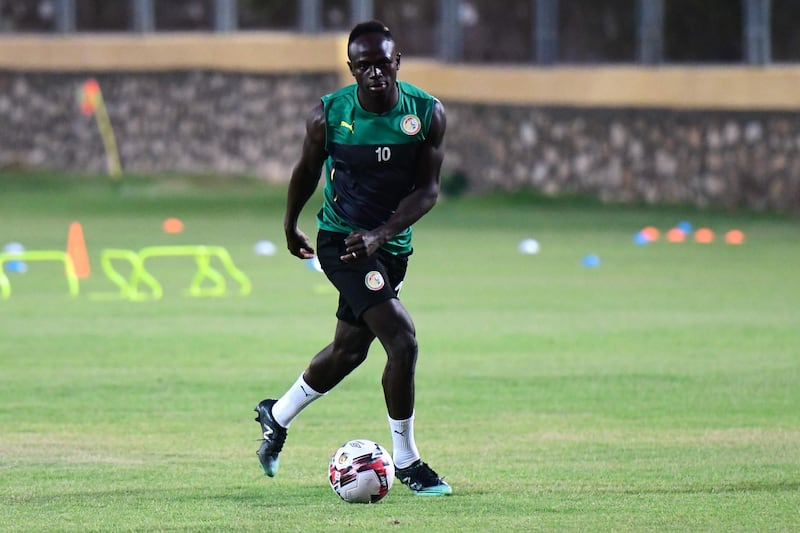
294	400
404	449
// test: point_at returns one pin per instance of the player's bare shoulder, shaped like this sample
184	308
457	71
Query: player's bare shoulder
315	124
438	124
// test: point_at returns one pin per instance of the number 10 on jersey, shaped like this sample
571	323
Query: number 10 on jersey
384	153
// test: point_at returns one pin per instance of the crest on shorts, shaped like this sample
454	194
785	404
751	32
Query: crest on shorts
374	280
410	124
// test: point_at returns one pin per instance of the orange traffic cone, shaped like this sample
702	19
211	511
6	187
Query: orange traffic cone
76	249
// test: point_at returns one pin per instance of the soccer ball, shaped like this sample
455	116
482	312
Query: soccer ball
361	471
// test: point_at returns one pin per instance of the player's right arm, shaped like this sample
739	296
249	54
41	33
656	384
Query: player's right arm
303	182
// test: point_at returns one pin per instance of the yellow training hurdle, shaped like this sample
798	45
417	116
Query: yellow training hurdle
39	255
141	285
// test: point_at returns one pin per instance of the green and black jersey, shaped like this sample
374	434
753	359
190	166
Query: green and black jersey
372	160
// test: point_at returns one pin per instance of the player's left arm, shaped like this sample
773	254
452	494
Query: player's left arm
415	205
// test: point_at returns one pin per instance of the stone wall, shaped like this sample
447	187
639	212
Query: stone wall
178	122
200	121
704	158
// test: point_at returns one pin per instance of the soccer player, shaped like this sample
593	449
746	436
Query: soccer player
381	142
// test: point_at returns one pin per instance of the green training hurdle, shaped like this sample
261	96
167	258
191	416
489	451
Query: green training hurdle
39	255
130	287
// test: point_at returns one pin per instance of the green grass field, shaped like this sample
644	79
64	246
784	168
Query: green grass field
659	391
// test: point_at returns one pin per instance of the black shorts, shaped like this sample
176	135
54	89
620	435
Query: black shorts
361	284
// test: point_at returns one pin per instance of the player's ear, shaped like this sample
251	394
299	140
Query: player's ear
397	60
350	68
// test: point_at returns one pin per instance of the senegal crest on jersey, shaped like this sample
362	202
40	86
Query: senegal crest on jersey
410	124
373	280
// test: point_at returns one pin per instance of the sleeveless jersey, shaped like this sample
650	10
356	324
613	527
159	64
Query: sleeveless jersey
372	160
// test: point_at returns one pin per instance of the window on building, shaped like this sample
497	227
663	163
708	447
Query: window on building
267	15
785	30
498	32
596	31
336	15
100	15
183	15
707	31
414	24
27	15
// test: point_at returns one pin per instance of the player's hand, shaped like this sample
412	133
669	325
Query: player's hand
298	244
360	245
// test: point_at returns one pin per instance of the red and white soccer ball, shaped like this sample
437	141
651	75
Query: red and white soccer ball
361	471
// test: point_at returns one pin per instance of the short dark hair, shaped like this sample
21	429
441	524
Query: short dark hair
371	26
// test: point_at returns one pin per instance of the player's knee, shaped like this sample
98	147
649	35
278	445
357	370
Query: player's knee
350	357
403	350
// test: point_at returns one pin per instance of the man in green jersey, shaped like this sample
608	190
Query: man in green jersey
381	143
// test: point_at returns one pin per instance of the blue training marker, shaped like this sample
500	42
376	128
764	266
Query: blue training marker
684	226
590	261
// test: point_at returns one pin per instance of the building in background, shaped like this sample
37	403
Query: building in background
479	31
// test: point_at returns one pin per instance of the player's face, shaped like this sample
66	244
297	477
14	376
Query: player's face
374	64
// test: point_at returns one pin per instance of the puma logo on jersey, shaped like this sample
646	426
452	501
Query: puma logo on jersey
348	126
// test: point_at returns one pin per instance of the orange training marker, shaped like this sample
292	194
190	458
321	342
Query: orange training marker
734	236
651	233
172	225
76	249
704	236
676	235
